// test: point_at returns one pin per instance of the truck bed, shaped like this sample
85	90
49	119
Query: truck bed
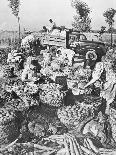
54	40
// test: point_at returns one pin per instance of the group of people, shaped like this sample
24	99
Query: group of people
102	72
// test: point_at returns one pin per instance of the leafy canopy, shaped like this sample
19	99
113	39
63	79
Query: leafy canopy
81	8
82	20
109	15
14	5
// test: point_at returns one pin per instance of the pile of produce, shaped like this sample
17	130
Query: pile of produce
53	114
28	93
50	94
72	116
82	73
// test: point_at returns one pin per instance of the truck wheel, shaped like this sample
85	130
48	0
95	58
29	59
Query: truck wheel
91	53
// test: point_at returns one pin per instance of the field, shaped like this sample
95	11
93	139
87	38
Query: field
106	37
9	38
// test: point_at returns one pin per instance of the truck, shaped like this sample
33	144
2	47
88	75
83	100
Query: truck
73	40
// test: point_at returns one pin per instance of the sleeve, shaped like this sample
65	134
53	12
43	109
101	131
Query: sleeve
98	70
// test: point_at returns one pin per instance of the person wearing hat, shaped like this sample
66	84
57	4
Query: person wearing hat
51	25
91	58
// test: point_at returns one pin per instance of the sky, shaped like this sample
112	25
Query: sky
34	14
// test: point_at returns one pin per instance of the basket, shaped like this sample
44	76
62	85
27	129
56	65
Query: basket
51	95
9	128
28	94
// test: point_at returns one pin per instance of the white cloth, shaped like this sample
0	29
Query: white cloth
13	57
63	33
46	59
109	90
67	53
25	41
50	26
55	32
28	74
98	70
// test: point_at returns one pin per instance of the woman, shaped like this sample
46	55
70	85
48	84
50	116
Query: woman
107	68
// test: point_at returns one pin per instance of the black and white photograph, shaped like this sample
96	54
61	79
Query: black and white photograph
57	77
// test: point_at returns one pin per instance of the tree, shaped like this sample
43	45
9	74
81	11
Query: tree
82	20
102	30
109	15
14	5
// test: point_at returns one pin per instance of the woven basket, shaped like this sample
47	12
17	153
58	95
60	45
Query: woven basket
52	97
9	129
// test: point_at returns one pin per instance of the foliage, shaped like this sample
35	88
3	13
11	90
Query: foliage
82	20
81	8
14	5
109	15
82	24
103	29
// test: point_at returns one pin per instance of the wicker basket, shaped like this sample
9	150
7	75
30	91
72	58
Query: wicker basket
28	94
9	128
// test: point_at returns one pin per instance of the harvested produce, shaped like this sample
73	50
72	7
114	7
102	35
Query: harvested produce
50	94
72	116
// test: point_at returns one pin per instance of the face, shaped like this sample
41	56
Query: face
91	56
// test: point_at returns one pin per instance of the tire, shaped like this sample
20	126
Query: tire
91	51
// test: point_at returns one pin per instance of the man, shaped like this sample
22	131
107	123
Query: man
51	25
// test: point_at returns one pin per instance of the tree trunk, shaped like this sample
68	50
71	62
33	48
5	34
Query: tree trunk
19	30
111	36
